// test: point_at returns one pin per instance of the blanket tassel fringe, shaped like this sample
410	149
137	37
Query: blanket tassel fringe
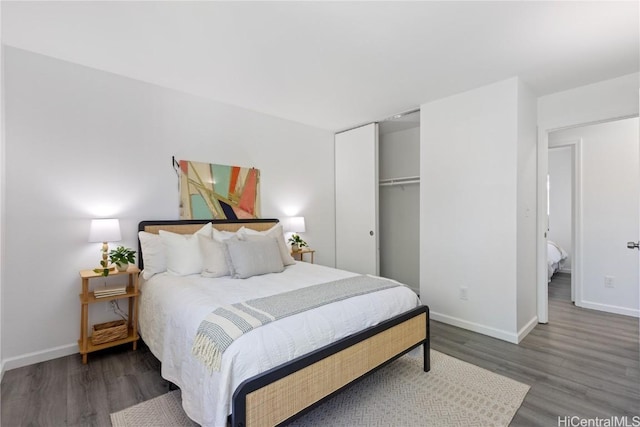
208	352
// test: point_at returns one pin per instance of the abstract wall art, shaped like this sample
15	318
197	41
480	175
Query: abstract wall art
210	191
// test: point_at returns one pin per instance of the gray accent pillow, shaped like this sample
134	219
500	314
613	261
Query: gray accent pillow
275	231
253	256
214	262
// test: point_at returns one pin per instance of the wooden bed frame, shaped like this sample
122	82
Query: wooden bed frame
287	391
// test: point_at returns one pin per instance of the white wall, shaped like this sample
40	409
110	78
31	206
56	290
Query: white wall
610	212
399	216
470	208
526	213
614	98
2	180
560	198
82	143
591	103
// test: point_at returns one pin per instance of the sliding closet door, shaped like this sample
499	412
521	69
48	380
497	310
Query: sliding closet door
356	154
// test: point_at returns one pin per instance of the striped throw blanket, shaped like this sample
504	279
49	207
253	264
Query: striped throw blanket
227	323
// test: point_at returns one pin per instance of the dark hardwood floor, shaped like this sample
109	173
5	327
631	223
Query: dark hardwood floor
64	392
583	363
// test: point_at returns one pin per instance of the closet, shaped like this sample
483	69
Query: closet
378	199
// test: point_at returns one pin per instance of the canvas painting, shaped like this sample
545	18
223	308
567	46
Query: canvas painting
210	191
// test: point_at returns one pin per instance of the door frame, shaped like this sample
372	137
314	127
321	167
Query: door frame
576	215
542	226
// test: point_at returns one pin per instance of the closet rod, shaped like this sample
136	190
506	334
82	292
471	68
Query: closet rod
400	181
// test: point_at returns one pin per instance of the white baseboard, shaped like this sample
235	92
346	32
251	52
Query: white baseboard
625	311
38	356
476	327
524	331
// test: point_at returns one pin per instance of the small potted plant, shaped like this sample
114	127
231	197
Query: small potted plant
296	243
122	257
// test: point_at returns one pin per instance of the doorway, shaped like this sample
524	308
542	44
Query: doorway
605	212
564	211
399	192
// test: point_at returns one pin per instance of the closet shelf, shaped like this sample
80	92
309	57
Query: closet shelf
400	181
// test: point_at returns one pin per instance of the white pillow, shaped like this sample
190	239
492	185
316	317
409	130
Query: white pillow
183	251
153	256
277	232
222	235
214	262
253	256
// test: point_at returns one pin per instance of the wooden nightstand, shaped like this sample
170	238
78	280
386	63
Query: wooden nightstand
87	298
299	255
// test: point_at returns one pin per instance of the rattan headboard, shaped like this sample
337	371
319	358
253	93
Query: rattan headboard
190	226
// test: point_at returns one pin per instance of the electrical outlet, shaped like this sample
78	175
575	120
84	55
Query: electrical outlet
609	281
464	293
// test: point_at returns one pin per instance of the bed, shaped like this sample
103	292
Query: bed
555	258
282	369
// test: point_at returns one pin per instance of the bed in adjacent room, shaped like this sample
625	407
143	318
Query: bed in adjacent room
555	258
253	340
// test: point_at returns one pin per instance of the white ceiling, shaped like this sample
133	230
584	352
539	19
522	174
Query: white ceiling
335	65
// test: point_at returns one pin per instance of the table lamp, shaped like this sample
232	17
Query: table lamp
295	225
104	230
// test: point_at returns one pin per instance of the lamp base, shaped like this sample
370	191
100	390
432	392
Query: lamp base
104	271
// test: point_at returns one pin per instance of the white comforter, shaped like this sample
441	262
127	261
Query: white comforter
171	309
555	257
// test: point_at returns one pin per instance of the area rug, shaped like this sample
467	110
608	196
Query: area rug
454	393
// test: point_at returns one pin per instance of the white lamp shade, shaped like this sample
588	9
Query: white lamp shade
105	230
296	224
